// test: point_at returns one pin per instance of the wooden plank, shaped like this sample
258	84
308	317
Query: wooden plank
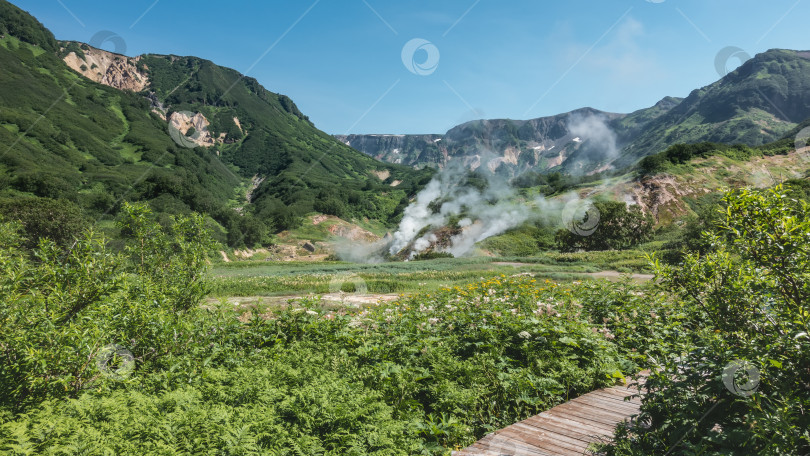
600	406
616	404
554	433
597	403
584	411
607	394
499	444
620	393
610	400
565	430
630	389
586	432
541	439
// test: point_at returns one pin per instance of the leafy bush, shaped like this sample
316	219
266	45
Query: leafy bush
61	221
619	227
738	383
60	312
431	255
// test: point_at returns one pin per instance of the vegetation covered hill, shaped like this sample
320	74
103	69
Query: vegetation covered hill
90	146
678	188
306	170
755	104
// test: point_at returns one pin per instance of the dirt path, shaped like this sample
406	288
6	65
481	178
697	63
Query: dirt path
615	275
327	300
610	275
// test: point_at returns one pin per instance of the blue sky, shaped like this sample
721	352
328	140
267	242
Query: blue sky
342	61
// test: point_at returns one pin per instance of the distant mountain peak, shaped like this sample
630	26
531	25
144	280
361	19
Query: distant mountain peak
756	103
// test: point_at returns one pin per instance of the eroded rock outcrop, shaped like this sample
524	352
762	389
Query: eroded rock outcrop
110	69
183	121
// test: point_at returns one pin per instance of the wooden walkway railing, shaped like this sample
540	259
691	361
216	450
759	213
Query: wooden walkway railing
567	429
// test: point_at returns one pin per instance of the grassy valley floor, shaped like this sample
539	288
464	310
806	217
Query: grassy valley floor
273	283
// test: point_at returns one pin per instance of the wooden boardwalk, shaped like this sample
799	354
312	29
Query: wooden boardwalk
567	429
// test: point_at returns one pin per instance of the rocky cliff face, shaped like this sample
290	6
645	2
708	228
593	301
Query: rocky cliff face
571	140
520	145
110	69
412	150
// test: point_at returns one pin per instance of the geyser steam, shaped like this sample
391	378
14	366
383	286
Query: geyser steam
486	212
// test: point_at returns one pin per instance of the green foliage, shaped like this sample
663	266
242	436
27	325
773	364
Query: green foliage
709	210
72	46
61	311
524	241
289	406
431	255
745	302
248	231
618	228
61	221
306	170
330	206
683	153
171	261
18	23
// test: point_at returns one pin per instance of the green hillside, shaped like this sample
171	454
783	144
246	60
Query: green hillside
755	104
64	137
91	146
307	169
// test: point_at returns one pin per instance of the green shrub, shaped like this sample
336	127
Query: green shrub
617	227
61	221
62	311
737	384
431	255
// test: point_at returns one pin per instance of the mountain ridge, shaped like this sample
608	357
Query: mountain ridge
752	105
